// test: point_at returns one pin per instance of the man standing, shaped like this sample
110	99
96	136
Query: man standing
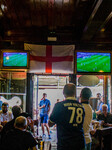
69	117
100	103
5	115
44	107
85	96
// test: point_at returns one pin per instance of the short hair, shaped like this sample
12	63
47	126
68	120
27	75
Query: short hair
86	93
98	94
69	89
44	94
20	122
5	104
25	114
16	110
105	105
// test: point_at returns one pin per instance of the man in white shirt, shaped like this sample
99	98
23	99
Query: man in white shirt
85	96
5	115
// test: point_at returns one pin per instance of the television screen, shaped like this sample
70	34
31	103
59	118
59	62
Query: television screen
15	59
93	62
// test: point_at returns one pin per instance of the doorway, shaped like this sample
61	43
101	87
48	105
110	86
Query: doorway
52	85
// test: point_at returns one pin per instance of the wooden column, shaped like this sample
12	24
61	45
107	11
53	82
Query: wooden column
111	94
105	89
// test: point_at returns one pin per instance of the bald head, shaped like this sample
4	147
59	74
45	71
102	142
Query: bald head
69	90
20	122
105	109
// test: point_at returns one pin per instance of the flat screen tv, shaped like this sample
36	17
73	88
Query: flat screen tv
15	59
93	62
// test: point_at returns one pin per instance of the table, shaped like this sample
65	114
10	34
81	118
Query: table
104	136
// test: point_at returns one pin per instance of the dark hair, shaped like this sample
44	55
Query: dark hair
69	89
5	104
44	94
25	114
99	94
86	93
16	110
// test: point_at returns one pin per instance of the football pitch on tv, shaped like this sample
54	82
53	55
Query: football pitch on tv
94	63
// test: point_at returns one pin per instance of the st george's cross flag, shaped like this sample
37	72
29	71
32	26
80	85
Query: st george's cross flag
51	58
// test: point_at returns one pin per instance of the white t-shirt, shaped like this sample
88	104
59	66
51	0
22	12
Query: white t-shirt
5	117
87	122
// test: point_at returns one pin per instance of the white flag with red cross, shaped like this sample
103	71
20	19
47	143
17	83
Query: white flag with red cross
51	58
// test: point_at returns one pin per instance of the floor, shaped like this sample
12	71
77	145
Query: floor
53	139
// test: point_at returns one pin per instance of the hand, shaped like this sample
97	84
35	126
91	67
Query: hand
43	106
30	123
106	124
102	123
92	132
3	123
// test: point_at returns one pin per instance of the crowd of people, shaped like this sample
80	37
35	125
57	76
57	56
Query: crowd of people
72	119
16	129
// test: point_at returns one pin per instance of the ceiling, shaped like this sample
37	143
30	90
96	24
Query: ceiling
81	21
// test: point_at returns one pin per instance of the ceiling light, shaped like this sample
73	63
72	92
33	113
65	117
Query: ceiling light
66	1
9	33
102	30
1	13
52	38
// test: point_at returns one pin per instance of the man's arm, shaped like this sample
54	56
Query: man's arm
49	108
54	115
100	109
50	123
98	112
40	107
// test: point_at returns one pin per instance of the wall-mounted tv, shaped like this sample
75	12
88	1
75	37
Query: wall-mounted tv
15	59
93	62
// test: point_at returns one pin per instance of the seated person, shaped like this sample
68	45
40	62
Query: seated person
16	110
19	138
105	116
5	115
30	122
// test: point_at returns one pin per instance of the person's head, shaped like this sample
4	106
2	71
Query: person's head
27	116
44	95
98	96
20	122
85	94
57	100
16	110
69	90
5	107
104	109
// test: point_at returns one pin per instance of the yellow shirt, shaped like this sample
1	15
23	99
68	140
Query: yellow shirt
87	122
